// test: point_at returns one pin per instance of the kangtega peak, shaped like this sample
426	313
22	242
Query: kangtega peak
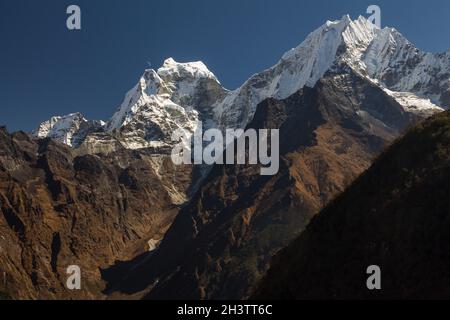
178	95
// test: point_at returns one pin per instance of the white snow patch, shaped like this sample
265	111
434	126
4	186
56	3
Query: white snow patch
412	103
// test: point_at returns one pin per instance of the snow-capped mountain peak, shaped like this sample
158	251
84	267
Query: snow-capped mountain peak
170	85
178	95
193	70
299	67
383	56
69	129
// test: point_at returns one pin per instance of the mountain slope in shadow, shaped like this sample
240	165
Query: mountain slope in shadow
395	216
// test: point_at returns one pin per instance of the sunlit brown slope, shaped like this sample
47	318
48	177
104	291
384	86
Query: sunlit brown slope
59	209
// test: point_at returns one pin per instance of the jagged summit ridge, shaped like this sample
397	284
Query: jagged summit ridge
337	45
178	95
171	84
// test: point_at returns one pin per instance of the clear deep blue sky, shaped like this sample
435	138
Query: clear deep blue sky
47	70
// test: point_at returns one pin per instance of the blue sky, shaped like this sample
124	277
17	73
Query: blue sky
48	70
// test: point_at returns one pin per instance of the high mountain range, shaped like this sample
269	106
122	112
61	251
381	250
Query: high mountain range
105	195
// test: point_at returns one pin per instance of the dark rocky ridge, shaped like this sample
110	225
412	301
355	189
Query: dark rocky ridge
396	216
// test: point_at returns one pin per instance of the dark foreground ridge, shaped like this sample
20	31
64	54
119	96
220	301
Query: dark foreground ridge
396	216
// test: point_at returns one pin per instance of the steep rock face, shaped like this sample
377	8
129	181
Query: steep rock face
223	241
59	209
394	216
